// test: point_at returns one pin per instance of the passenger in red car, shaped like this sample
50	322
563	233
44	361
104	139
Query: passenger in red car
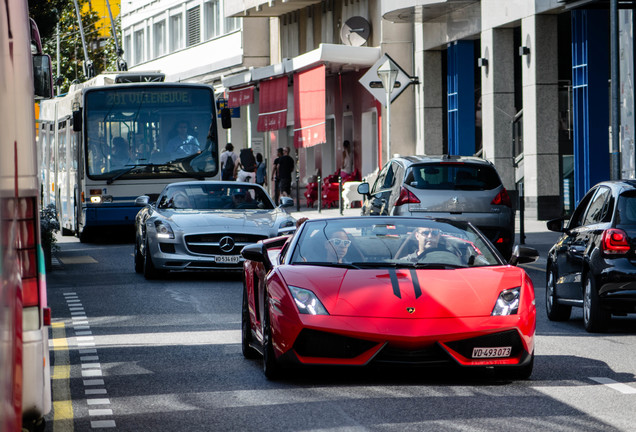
337	246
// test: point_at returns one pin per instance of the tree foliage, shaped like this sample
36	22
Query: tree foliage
101	51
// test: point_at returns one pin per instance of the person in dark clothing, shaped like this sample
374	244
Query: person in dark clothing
286	165
275	177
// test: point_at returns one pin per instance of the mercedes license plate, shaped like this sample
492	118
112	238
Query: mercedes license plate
491	352
226	259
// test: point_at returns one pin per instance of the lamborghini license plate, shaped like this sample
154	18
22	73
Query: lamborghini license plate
226	259
491	352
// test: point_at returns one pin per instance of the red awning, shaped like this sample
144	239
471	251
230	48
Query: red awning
240	96
272	105
309	107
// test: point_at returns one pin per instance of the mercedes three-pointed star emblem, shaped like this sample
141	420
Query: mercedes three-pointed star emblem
226	244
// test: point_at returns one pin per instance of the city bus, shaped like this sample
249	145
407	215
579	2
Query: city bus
118	136
25	380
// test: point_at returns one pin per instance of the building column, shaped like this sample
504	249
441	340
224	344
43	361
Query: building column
461	97
429	103
498	101
397	39
539	68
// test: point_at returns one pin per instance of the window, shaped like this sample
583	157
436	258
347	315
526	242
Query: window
159	39
193	23
139	46
597	208
212	19
232	24
127	46
176	32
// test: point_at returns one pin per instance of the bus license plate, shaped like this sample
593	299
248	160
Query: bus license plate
491	352
226	259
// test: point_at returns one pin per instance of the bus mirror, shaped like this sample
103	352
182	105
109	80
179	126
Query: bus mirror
42	78
77	120
226	118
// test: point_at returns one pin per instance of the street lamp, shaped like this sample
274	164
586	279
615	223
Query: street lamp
388	73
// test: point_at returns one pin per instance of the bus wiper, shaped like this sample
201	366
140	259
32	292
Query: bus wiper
127	170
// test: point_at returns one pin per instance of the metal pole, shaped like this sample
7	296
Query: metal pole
57	52
388	125
522	206
340	194
88	65
615	109
319	195
297	191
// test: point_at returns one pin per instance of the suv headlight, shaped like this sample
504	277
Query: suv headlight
164	231
508	302
307	302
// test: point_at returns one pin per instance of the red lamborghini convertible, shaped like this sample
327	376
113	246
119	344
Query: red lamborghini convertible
388	290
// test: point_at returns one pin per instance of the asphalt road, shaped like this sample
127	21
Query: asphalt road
136	355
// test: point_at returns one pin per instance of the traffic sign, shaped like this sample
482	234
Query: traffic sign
372	82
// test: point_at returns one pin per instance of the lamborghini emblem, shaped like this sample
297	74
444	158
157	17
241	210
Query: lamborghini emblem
410	310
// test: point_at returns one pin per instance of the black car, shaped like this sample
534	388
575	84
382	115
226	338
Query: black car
593	264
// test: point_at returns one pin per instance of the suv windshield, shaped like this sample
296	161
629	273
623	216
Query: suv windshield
452	176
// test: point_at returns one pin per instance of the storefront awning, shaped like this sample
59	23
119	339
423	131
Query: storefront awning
240	96
272	104
309	107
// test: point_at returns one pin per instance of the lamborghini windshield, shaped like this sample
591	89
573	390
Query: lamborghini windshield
395	242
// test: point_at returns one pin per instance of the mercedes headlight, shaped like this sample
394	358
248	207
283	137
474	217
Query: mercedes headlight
164	231
507	303
307	302
287	227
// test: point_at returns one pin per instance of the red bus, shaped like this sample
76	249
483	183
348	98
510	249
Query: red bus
25	74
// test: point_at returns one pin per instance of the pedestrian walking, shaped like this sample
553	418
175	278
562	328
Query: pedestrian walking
286	166
228	160
261	168
275	177
246	167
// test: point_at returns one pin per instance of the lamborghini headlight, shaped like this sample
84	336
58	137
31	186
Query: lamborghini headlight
307	302
164	231
508	302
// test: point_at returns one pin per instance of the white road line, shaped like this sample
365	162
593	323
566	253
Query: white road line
94	382
88	351
69	293
100	412
83	333
77	314
91	366
99	424
89	358
94	391
73	301
104	401
75	323
91	373
615	385
81	327
85	344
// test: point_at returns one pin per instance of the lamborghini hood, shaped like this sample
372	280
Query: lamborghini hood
401	293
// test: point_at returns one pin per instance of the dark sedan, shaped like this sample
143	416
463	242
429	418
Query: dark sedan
593	264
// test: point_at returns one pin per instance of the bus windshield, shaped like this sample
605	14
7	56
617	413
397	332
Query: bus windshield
150	131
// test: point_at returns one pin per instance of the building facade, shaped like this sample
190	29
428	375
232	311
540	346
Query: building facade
523	83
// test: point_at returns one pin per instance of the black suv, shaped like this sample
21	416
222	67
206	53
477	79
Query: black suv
593	264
